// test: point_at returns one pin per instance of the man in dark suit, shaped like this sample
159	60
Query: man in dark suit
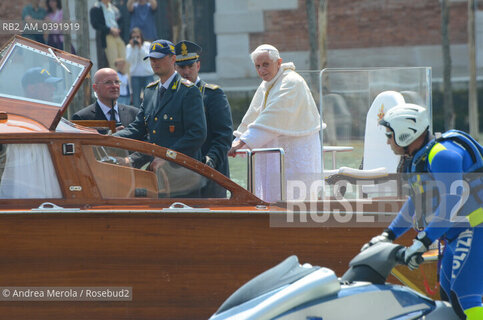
171	114
218	115
106	86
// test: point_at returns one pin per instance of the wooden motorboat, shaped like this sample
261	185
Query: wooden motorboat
72	215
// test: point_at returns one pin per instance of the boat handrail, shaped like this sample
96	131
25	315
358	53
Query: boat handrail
49	206
181	207
251	164
333	150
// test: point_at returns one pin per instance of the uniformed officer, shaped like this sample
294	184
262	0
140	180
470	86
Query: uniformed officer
445	203
217	111
171	114
39	84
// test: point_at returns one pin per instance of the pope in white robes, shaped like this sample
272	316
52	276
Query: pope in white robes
282	114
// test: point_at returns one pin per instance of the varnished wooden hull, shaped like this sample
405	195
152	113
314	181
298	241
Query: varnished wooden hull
180	265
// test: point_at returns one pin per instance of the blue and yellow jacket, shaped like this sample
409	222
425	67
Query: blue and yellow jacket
446	183
175	121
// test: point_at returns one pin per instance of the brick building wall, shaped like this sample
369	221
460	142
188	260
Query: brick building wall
287	29
365	24
381	23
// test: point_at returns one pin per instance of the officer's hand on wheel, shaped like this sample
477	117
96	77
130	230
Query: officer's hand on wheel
383	237
209	162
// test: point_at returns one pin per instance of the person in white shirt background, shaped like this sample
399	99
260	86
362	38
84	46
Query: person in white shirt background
124	88
140	70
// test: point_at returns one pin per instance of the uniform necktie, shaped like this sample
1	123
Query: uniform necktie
161	92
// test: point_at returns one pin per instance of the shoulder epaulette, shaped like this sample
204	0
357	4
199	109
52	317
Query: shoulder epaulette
152	84
212	86
187	83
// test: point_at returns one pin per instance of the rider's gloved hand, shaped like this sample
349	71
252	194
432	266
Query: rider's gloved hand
386	236
413	256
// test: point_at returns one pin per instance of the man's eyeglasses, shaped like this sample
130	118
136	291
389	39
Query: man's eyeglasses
389	134
111	82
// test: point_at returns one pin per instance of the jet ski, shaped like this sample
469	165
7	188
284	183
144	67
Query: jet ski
294	291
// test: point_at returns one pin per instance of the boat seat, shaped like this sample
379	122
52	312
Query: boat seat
378	153
282	274
378	176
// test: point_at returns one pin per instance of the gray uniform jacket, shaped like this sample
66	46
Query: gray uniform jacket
175	121
219	134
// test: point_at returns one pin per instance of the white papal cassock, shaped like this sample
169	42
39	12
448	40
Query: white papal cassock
283	114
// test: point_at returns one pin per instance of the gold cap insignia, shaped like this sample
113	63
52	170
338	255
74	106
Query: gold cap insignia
184	49
381	113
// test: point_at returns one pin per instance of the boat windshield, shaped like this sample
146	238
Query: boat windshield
117	179
354	100
32	75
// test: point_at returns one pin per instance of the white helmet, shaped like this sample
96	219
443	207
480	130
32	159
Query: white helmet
408	121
